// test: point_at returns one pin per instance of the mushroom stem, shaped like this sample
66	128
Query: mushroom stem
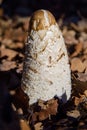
46	71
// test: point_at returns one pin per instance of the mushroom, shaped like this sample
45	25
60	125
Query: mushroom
46	71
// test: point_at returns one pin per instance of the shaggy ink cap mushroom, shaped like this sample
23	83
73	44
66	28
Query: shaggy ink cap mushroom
46	71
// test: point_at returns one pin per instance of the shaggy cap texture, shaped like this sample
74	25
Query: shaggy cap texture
46	67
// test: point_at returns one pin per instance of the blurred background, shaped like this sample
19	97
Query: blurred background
57	7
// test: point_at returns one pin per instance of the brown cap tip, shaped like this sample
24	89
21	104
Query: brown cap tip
41	19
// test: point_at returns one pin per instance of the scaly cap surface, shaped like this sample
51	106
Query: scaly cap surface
41	20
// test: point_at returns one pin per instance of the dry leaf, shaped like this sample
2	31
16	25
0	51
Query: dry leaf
85	63
7	42
73	113
19	68
9	53
78	86
26	24
81	103
82	77
81	26
69	37
24	125
35	116
7	65
76	101
43	114
16	45
85	50
47	109
51	109
85	93
42	104
74	26
78	49
53	106
77	65
38	126
19	35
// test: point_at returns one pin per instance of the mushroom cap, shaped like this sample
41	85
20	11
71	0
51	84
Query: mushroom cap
41	19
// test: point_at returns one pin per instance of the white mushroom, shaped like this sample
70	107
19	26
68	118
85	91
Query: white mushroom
46	70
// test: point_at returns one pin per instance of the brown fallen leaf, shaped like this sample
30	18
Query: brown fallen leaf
24	21
18	35
77	65
42	104
53	106
7	65
78	100
5	24
82	77
19	68
9	53
17	45
43	114
8	35
11	44
83	39
34	117
47	109
85	63
85	50
74	26
24	125
69	37
78	49
85	93
78	86
26	24
81	103
73	113
50	106
38	126
81	26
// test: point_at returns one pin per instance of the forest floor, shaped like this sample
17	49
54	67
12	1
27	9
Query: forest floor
15	112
